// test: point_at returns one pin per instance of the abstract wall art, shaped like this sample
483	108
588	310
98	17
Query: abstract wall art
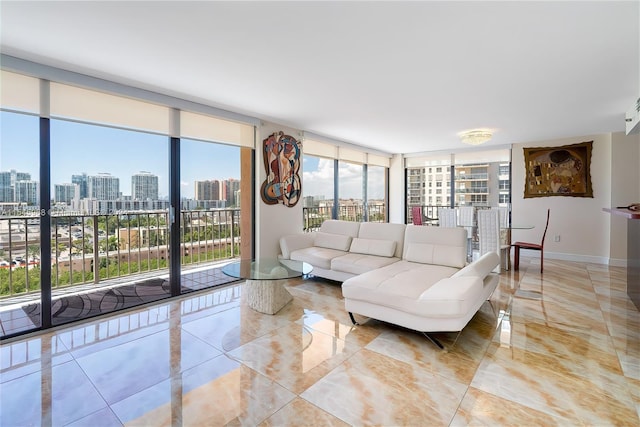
558	171
281	154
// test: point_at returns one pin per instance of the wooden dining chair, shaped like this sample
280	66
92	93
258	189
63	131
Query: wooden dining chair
532	246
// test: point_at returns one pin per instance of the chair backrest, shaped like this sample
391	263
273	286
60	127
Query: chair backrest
466	214
489	232
447	217
416	215
504	215
545	228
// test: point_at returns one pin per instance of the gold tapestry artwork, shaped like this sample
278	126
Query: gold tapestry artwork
558	171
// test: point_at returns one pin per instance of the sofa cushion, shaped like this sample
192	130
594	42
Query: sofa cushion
317	257
356	263
481	267
419	289
436	245
378	247
384	231
337	226
332	241
427	253
395	285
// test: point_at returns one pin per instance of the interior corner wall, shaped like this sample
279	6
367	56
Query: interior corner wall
396	189
580	223
625	189
273	221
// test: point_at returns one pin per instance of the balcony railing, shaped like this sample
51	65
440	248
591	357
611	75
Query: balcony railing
472	176
313	217
90	249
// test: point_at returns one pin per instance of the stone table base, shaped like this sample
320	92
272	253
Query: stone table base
267	296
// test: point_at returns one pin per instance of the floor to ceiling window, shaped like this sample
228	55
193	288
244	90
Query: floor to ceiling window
481	179
343	183
351	191
19	221
109	221
376	193
210	208
317	190
93	214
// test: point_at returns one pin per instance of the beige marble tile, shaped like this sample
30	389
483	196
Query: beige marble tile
295	356
372	389
484	409
541	382
524	310
217	392
299	412
415	349
634	388
582	351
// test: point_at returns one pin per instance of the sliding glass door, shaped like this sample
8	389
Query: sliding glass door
109	219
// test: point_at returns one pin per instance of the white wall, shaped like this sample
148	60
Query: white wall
625	189
580	222
273	221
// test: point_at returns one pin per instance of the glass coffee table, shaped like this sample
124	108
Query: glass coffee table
264	287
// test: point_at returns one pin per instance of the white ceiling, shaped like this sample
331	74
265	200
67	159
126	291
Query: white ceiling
401	77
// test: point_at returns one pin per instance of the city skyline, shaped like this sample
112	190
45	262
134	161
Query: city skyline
78	148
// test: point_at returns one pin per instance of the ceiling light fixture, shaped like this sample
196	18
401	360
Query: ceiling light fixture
476	137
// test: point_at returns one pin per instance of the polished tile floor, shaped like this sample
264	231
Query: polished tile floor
561	348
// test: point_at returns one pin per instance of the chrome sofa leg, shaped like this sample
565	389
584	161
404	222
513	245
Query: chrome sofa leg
353	320
433	339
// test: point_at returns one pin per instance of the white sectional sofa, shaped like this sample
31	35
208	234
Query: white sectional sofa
343	249
412	276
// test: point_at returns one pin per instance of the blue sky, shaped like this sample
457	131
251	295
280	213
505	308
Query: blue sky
78	148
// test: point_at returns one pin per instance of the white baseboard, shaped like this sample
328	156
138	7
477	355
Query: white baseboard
577	258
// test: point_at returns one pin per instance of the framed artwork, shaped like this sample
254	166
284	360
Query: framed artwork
558	171
282	164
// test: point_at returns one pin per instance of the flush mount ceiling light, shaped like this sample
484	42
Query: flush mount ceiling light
476	137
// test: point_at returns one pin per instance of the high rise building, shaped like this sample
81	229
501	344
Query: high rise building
19	176
232	188
103	186
207	190
6	189
65	193
144	186
27	192
81	181
8	181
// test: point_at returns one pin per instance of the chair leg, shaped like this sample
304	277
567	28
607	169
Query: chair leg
516	257
541	259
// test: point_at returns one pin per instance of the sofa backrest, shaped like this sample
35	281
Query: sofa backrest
337	226
383	231
435	245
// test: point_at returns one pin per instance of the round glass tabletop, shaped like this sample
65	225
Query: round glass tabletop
266	269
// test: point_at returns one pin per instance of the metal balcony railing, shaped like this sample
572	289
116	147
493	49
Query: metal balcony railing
313	217
90	249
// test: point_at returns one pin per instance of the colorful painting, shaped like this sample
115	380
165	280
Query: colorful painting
558	171
282	163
